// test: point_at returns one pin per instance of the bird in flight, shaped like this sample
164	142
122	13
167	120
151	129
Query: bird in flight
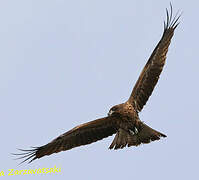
123	119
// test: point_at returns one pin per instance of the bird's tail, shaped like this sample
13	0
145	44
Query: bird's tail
143	134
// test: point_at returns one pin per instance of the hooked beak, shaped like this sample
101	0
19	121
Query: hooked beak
110	112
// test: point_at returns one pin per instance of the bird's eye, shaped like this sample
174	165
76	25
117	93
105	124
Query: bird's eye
114	108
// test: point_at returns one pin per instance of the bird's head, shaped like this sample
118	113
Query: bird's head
115	110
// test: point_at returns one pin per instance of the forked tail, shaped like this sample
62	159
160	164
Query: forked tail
144	134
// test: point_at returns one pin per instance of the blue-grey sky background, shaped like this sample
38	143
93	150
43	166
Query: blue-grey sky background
63	63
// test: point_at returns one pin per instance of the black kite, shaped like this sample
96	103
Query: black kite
122	119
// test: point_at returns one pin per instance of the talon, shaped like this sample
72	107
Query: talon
131	132
136	130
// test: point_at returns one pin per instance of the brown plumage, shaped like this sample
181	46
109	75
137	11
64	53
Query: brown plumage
122	119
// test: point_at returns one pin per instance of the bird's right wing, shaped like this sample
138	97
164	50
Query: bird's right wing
80	135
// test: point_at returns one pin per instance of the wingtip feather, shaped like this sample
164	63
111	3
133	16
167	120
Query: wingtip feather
171	22
26	155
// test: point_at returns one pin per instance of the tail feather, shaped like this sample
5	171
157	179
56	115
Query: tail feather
120	140
144	135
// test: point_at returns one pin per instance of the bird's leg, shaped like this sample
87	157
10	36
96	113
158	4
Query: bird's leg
135	128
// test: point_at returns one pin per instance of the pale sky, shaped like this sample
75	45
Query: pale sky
63	63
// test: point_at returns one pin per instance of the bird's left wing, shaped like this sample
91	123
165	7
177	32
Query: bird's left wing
80	135
150	74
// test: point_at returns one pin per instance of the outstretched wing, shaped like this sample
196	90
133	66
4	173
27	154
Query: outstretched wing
150	74
80	135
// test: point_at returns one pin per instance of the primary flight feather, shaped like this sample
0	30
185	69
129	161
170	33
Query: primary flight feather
123	119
